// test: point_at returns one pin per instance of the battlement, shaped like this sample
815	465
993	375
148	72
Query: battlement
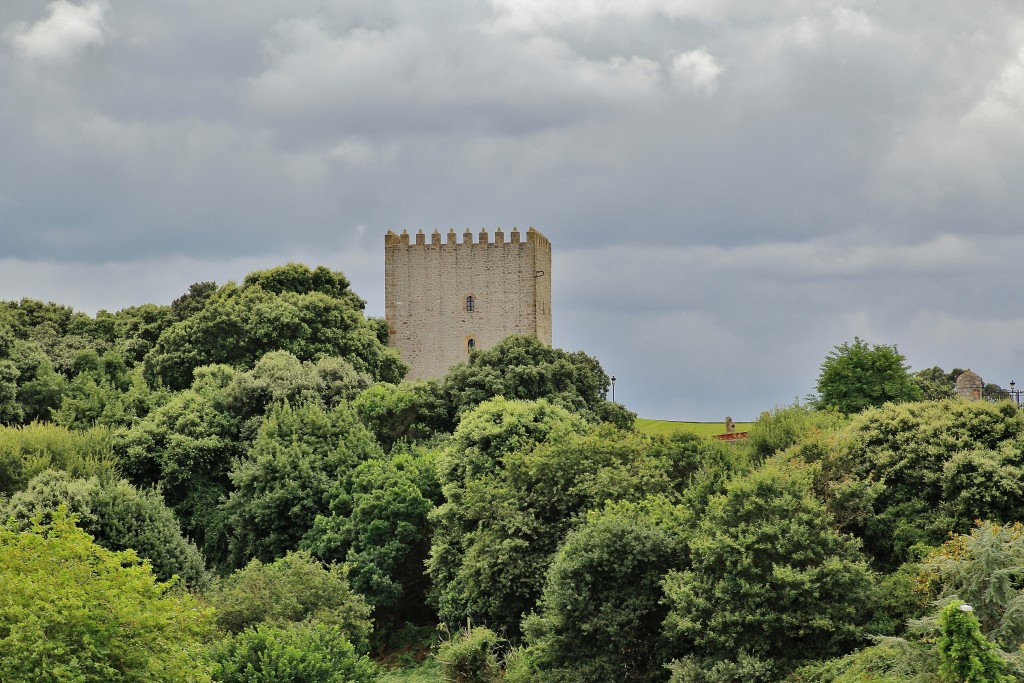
393	239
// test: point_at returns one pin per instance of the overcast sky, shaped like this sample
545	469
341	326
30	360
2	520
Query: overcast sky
731	187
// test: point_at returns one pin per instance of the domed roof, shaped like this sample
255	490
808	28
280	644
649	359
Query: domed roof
969	380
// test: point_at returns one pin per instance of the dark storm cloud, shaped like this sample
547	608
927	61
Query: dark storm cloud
730	187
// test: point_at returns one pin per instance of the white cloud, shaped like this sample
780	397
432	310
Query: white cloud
538	15
696	70
67	29
408	74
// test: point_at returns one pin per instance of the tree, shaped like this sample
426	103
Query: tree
942	465
769	576
296	589
601	613
857	376
279	376
73	611
186	447
518	476
522	367
936	384
385	539
300	466
965	655
414	411
310	313
118	516
30	449
479	564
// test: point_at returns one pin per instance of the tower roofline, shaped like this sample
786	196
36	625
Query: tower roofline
533	236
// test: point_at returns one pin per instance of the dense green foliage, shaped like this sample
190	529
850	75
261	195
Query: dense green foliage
293	589
600	616
309	313
768	574
300	466
470	657
73	611
118	516
858	375
290	654
264	427
521	367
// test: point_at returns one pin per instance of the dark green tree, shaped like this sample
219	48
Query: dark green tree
385	539
187	447
858	375
300	466
600	617
522	367
769	576
414	411
310	313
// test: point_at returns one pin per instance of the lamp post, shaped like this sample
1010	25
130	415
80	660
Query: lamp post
1015	393
613	388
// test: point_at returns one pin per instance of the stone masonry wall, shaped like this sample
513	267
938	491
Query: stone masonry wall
426	287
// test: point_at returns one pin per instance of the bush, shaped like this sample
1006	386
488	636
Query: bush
27	451
470	656
295	588
299	653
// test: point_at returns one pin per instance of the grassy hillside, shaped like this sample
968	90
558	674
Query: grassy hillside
668	427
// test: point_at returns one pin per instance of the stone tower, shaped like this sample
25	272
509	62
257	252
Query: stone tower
969	385
442	299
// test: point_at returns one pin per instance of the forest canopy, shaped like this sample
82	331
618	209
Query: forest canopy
241	486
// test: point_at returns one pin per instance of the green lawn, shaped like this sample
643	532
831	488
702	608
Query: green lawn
669	427
428	672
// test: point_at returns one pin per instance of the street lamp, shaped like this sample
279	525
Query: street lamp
613	388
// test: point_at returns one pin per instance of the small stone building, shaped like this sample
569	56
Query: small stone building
969	385
444	298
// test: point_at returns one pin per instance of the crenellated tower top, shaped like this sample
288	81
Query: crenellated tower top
393	239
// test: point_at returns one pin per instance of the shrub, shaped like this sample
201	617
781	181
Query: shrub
469	657
298	653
